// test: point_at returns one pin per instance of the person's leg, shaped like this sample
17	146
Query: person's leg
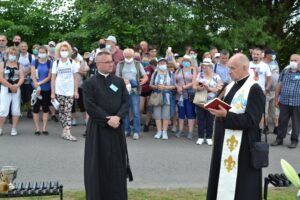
284	117
181	116
201	122
166	113
5	99
209	124
61	112
190	108
16	108
126	122
295	123
157	117
36	108
45	106
142	104
136	113
73	122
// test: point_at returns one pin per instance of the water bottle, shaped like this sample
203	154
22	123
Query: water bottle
180	101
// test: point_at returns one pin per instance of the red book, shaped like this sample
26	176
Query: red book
214	104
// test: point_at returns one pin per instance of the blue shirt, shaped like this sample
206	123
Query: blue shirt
223	72
290	88
42	70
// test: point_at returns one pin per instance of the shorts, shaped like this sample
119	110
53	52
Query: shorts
270	109
161	112
187	110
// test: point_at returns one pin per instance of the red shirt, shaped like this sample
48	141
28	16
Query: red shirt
117	57
146	90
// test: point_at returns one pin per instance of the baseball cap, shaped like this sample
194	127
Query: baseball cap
112	38
51	43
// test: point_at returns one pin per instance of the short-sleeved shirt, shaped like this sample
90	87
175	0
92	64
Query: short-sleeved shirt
25	62
213	82
274	68
262	70
223	72
183	78
129	71
42	72
290	88
64	83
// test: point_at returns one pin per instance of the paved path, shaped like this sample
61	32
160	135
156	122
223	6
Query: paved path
155	163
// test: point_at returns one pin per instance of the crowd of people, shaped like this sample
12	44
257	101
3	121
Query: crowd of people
161	88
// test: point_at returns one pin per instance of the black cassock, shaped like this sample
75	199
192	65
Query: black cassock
249	179
106	163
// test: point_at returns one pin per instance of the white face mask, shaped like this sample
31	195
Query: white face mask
293	65
128	60
64	54
42	55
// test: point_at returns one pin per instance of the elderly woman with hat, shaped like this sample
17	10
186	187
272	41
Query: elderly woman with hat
185	77
210	81
162	81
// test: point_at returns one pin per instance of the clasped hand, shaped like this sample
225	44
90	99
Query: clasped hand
113	121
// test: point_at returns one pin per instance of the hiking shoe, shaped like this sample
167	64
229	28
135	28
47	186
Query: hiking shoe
158	135
200	141
190	136
165	135
136	136
13	132
174	129
179	134
209	142
146	128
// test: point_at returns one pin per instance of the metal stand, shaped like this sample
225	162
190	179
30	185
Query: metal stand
30	189
277	180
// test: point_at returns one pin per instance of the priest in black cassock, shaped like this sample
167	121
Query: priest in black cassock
106	163
231	175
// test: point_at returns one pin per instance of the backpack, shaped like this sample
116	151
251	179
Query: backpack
138	72
155	74
215	68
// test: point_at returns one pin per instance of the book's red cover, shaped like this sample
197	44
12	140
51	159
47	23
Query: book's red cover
214	104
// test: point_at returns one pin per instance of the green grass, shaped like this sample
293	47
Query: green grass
169	194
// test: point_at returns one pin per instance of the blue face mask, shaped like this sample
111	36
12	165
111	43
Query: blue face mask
108	47
162	67
12	58
186	64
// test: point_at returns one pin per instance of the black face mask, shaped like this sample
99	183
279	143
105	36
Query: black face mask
74	55
101	46
16	43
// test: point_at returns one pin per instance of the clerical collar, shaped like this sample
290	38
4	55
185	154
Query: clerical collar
105	75
242	80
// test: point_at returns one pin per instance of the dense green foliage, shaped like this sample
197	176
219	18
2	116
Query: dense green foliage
176	23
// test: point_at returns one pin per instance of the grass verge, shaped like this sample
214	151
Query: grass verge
169	194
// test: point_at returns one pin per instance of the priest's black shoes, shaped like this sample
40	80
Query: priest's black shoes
293	145
277	142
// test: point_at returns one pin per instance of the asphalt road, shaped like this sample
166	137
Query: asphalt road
155	163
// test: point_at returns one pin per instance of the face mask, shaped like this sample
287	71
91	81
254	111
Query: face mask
129	60
16	43
102	46
35	52
64	54
108	47
74	55
194	56
293	65
12	58
186	64
52	49
42	55
273	57
162	67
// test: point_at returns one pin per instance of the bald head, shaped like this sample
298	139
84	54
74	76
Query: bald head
295	58
239	66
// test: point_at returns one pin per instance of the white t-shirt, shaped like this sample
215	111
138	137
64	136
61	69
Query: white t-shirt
260	72
64	82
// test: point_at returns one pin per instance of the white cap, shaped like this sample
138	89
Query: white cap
217	55
207	62
112	38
